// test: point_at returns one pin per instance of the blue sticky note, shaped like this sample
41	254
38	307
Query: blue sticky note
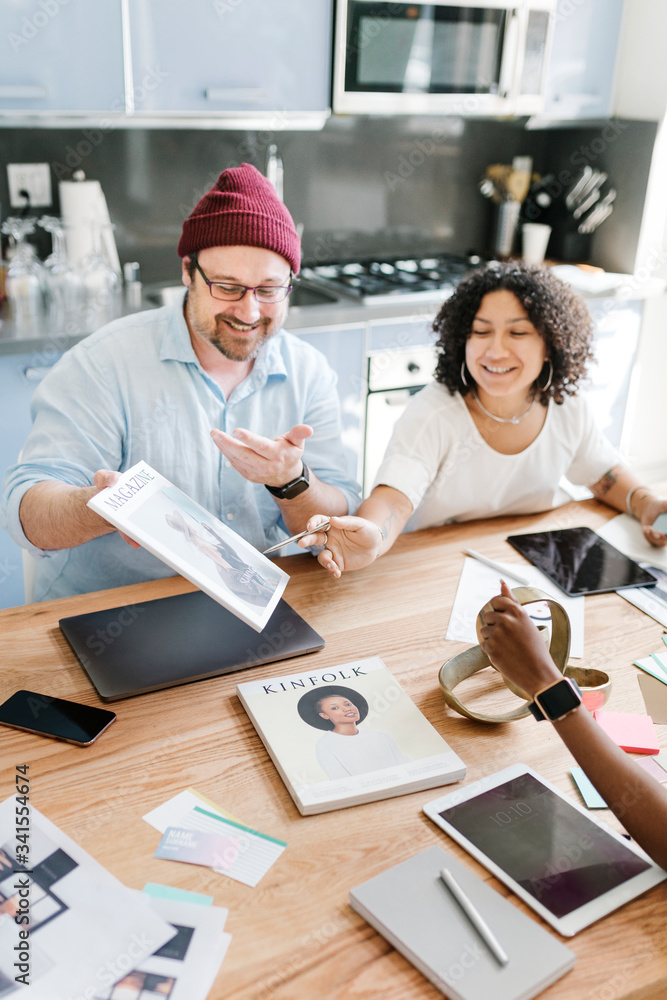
589	792
172	892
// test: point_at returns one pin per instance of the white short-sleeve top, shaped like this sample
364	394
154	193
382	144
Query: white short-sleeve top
441	462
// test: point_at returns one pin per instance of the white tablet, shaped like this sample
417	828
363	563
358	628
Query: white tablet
570	868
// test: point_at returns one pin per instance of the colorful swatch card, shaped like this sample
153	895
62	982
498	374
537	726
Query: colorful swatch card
634	733
198	848
255	852
589	792
172	892
653	667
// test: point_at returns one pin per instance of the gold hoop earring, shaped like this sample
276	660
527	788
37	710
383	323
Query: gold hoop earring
463	374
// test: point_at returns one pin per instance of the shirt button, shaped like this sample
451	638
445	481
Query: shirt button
228	464
230	517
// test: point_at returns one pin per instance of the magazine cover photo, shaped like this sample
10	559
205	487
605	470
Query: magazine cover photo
343	724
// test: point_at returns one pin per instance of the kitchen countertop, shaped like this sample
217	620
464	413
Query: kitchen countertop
339	312
313	314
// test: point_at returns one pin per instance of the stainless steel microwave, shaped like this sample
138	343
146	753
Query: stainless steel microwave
484	57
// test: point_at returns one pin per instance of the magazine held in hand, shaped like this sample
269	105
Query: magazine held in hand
166	522
345	735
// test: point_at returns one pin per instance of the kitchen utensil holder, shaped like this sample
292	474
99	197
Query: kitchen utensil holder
507	222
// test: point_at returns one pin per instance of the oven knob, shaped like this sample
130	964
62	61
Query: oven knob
413	367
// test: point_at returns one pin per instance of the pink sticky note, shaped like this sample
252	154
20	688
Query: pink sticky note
634	733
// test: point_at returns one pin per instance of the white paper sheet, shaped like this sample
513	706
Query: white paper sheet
97	928
184	969
478	584
625	534
171	812
651	600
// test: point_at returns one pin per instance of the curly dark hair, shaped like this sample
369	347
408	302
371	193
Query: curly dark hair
558	314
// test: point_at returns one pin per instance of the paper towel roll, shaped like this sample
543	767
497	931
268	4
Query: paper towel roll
81	204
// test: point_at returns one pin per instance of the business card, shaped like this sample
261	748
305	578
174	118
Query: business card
197	847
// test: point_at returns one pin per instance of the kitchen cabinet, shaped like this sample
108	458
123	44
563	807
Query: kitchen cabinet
19	375
57	56
154	63
641	73
232	56
580	73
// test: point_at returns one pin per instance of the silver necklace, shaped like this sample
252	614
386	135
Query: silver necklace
503	420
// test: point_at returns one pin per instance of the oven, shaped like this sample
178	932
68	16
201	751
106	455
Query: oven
481	57
394	376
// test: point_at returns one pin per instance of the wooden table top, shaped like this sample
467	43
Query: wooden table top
294	935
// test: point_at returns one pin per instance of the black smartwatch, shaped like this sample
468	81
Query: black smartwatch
291	490
557	700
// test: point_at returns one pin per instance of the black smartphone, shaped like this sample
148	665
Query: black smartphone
47	716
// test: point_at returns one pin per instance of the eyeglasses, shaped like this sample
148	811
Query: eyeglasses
234	293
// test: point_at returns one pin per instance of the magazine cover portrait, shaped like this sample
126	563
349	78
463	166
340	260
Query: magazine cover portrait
352	721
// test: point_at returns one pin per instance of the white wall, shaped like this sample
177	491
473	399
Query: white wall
645	433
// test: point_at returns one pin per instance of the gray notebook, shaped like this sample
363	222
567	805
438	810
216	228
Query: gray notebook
412	908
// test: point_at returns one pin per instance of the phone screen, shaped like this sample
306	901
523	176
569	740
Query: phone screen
47	716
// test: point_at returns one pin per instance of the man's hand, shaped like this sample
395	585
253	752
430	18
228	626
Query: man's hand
514	646
351	543
260	460
102	479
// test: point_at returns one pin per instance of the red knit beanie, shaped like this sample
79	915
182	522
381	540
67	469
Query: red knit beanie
241	209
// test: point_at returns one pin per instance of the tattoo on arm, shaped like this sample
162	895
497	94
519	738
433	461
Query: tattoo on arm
605	483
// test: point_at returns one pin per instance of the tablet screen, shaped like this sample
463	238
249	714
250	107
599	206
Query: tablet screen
554	852
579	561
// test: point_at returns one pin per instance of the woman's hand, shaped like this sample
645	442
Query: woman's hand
514	646
350	543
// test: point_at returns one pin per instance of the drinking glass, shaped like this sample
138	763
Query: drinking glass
102	283
25	282
66	290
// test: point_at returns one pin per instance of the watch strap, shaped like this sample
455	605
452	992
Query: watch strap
536	710
293	488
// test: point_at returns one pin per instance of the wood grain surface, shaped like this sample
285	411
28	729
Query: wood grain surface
294	937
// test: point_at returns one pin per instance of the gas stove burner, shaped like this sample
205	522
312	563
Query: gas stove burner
384	280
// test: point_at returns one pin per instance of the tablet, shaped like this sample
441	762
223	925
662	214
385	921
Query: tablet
570	868
580	562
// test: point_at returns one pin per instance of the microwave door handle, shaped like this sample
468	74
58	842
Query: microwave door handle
508	72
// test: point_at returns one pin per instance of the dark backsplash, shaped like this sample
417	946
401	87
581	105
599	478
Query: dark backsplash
360	187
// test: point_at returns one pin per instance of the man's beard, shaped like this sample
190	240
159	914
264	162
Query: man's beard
241	348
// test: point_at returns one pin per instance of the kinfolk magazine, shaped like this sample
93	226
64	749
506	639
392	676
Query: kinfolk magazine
166	522
347	734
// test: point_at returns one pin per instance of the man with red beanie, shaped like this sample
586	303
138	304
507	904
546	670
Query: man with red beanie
159	385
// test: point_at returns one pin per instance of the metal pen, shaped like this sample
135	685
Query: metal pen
503	570
474	916
322	526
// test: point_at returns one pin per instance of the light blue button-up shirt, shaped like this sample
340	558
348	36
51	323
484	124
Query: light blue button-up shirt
135	391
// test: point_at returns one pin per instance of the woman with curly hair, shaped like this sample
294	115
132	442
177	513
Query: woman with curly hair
499	426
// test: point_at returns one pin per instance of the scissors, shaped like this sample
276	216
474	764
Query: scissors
322	526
